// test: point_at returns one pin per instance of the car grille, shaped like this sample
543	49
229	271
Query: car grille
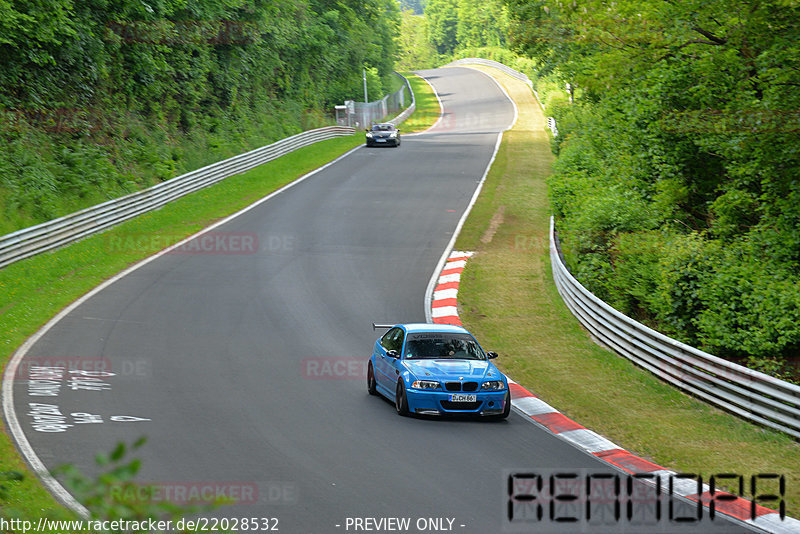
448	405
458	386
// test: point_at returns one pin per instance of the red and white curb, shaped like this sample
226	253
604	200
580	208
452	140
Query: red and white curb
444	310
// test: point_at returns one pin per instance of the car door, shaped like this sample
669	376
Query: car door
385	365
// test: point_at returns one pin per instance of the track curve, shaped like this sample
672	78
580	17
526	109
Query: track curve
239	366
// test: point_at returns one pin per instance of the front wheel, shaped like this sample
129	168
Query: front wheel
506	408
401	401
372	387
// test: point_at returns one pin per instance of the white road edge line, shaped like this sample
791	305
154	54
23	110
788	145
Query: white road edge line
518	406
473	200
441	109
24	446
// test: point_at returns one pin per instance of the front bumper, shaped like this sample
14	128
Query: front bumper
378	141
438	402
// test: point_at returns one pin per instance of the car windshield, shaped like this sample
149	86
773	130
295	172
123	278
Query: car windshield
443	345
382	128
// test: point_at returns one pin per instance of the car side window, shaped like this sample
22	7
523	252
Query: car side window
389	339
399	341
393	340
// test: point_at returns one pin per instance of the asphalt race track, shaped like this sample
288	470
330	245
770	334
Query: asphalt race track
244	365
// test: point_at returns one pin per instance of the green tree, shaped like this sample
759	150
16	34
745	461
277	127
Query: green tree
442	18
414	47
98	97
689	111
481	23
415	6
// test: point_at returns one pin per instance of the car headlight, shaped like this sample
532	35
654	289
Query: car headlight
493	385
425	384
393	134
369	134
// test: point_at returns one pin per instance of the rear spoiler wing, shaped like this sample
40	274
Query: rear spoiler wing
376	326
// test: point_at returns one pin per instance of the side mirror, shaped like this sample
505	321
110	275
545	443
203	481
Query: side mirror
392	354
491	355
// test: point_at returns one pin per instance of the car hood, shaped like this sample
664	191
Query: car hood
453	369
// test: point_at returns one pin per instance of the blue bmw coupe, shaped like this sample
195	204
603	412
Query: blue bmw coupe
437	369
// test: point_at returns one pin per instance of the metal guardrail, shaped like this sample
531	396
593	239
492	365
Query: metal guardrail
58	232
551	123
737	389
410	109
749	394
499	66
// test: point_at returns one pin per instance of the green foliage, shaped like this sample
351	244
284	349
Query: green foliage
678	179
374	84
414	48
415	6
5	478
442	18
176	58
34	290
549	86
635	283
113	494
98	99
455	25
750	307
481	23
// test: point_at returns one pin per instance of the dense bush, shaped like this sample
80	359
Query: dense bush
677	187
100	97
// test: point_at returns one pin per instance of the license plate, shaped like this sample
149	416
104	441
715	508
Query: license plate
463	398
381	140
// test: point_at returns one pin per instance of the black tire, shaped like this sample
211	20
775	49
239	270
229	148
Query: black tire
372	387
507	408
401	401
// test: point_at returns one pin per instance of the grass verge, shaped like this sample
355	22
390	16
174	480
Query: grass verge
34	290
47	173
508	299
427	111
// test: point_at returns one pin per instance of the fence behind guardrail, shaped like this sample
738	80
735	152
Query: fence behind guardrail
370	112
64	230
